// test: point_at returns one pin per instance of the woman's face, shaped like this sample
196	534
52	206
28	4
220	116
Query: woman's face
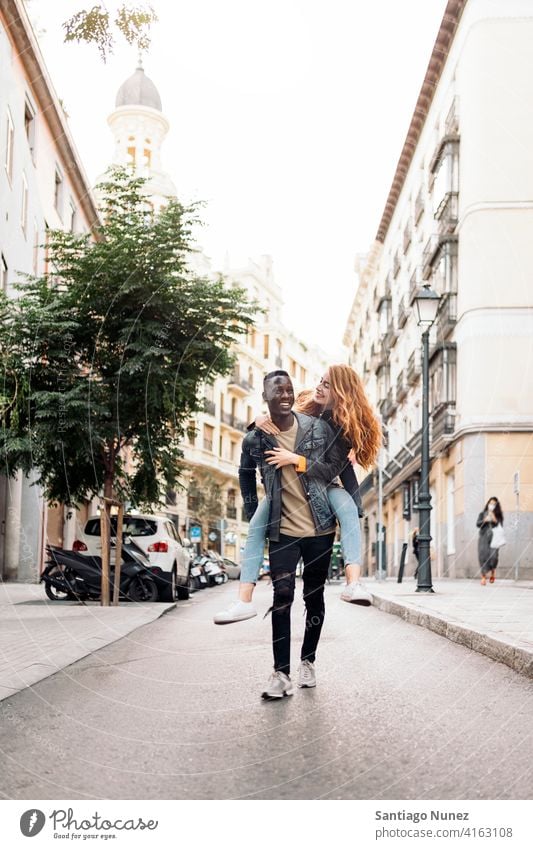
322	394
492	504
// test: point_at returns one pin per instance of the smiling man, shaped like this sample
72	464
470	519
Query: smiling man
296	467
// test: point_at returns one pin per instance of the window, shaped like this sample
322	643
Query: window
232	451
147	153
444	177
191	432
231	507
442	378
72	216
58	192
208	437
251	377
3	272
24	205
444	276
29	124
266	346
10	136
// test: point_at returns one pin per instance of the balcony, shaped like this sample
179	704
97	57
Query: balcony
231	512
429	254
382	294
406	237
238	385
447	213
443	420
232	421
414	367
419	205
208	444
209	407
401	387
414	286
396	264
403	314
391	337
451	125
447	315
387	406
446	146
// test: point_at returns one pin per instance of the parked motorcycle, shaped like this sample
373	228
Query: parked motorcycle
70	575
198	579
214	569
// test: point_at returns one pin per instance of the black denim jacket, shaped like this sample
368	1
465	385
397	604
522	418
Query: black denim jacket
347	475
326	455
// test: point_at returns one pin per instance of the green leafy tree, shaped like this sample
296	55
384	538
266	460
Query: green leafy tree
104	356
205	499
97	26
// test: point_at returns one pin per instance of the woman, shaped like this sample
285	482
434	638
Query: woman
490	516
341	401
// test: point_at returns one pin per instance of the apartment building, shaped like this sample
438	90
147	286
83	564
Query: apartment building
458	217
42	186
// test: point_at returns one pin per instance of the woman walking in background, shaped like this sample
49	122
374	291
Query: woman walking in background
490	517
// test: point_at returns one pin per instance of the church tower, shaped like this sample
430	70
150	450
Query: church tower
139	128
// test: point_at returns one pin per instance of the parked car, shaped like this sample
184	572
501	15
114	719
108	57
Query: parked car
158	538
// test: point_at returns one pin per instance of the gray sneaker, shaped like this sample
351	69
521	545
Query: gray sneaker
355	593
306	674
279	685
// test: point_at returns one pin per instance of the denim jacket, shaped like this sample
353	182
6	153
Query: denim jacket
347	475
326	457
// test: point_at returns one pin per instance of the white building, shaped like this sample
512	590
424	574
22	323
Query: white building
459	216
42	186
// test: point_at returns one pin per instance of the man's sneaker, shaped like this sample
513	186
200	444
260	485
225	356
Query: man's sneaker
279	685
236	612
355	593
306	674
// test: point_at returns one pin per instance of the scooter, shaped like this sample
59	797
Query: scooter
214	569
70	575
198	579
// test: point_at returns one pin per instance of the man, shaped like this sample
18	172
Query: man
296	467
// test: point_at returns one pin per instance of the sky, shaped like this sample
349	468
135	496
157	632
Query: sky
287	118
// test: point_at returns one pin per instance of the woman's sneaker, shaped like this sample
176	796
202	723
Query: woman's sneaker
236	612
306	676
355	593
279	685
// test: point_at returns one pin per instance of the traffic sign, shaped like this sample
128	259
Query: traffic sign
195	533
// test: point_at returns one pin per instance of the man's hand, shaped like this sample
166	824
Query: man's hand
266	424
281	457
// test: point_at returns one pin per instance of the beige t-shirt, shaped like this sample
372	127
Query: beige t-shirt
296	516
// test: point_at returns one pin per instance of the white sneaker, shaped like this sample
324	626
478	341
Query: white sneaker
306	674
236	612
279	685
355	593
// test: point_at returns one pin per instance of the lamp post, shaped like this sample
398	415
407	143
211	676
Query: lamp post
427	305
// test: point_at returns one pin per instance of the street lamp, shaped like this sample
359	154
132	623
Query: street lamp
427	305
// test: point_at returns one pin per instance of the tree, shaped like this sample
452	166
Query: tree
96	26
105	354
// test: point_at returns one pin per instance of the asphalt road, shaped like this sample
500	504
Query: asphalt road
173	711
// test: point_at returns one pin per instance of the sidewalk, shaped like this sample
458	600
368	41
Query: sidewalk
39	637
495	620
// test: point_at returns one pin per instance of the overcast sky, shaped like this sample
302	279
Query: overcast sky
287	117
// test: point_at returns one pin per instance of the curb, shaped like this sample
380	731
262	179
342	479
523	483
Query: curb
517	658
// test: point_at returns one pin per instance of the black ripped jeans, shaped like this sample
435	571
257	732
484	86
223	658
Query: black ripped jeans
284	557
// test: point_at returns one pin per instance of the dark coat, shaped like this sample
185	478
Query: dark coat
347	476
326	459
488	557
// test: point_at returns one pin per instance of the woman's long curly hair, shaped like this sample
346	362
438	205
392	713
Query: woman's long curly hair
351	412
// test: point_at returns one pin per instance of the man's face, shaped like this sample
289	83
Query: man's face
279	395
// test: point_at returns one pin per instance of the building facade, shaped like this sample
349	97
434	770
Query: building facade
458	217
42	187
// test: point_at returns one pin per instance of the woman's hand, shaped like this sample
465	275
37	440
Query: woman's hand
265	423
280	457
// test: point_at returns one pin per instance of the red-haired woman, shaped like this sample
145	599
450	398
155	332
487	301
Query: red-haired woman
341	401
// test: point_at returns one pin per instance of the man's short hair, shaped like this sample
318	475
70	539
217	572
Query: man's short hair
277	373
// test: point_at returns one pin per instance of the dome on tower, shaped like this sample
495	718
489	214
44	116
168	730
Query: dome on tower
139	90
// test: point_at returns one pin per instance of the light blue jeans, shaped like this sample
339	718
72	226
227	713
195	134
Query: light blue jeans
346	512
